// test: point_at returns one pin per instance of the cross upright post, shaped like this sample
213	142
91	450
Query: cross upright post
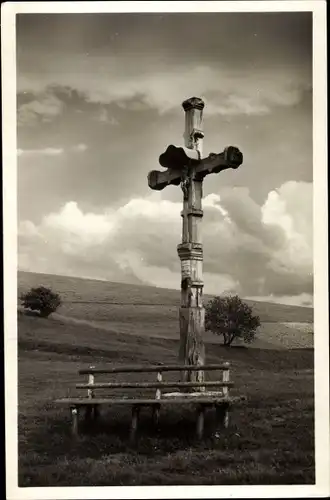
190	251
186	167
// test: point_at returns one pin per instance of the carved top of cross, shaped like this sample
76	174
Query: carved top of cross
193	102
179	161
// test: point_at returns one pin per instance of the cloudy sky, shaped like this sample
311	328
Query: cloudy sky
99	99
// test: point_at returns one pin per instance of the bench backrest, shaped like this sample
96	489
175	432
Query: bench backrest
158	384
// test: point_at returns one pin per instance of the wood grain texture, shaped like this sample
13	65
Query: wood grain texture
192	349
159	381
225	380
90	383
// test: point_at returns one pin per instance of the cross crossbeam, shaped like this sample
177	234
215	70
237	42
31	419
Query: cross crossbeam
231	157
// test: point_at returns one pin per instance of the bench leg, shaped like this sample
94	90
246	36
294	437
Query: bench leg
222	416
226	417
96	412
134	423
74	415
200	421
156	414
88	414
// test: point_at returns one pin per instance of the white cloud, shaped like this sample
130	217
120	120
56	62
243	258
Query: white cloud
162	87
304	299
85	229
45	107
80	148
42	152
257	251
222	90
104	117
291	208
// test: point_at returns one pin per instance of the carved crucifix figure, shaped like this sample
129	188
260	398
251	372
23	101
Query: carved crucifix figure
186	167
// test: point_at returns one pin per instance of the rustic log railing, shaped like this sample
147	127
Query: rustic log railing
149	385
154	368
202	398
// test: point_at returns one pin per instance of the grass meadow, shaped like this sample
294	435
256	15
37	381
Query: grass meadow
270	439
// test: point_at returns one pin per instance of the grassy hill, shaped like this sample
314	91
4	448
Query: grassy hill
270	437
80	290
153	312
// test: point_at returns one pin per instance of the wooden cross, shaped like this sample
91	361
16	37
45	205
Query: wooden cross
186	167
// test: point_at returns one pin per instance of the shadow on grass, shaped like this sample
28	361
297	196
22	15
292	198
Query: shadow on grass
272	444
176	431
28	312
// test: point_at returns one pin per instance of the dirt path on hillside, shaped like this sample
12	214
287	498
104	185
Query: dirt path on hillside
126	329
276	336
102	325
286	335
76	321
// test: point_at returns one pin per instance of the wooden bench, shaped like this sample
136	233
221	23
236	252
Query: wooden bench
202	399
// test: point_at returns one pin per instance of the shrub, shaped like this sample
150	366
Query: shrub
231	317
41	299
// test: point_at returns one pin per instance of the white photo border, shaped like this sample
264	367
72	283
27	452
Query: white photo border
320	206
